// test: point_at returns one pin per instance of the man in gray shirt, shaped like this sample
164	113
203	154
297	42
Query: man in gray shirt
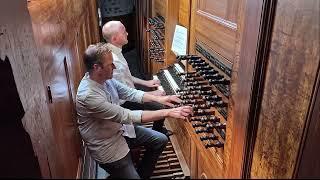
103	124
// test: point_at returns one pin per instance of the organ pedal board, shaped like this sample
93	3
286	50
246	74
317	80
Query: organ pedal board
168	165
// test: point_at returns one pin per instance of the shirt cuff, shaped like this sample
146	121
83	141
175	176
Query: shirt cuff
139	96
136	116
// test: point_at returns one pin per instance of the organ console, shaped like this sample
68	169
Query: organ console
235	77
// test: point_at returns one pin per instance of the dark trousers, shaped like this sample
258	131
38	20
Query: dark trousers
121	169
154	143
157	125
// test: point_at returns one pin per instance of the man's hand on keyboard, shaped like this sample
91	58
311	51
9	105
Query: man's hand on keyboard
153	83
169	100
158	92
180	113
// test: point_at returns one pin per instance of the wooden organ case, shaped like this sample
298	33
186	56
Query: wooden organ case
228	74
258	61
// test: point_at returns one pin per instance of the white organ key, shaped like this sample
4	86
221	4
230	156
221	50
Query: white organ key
172	82
178	68
155	77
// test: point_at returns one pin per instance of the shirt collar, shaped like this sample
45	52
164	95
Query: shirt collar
114	48
94	83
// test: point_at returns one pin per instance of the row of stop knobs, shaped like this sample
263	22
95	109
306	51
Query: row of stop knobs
157	27
156	22
204	120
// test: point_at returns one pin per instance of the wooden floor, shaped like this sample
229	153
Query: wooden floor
169	165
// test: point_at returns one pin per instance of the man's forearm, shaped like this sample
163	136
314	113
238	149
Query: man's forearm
148	116
148	97
138	81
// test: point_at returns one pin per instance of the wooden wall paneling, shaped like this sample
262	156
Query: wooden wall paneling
192	30
64	126
88	28
242	84
18	44
80	45
289	81
83	30
220	18
55	25
193	161
141	34
184	13
184	17
308	165
159	7
172	16
94	21
147	60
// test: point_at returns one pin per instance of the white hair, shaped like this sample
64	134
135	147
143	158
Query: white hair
110	28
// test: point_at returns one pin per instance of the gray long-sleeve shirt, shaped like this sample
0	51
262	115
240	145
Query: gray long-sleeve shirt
100	117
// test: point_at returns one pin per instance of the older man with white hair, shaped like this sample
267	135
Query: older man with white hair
114	32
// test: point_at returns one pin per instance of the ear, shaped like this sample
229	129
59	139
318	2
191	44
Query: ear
96	67
114	38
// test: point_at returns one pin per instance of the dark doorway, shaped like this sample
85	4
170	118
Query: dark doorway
124	11
16	153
